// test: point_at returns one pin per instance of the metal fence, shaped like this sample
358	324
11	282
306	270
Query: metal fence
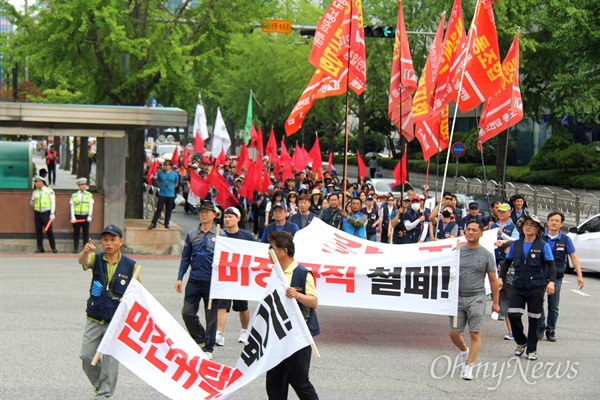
540	200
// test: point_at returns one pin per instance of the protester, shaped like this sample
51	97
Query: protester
354	221
277	197
446	228
518	207
475	263
429	200
491	219
167	180
279	222
294	370
303	217
44	204
562	246
373	221
416	222
198	253
332	214
473	213
111	274
316	201
397	229
292	204
534	265
82	208
387	212
231	221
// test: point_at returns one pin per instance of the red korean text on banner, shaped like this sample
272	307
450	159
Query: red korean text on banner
425	94
483	72
455	48
505	108
403	82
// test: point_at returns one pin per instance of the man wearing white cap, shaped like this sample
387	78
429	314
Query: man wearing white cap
82	207
44	204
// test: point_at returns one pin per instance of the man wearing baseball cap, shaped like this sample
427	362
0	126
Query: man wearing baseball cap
279	222
111	274
416	222
198	253
429	200
82	207
535	273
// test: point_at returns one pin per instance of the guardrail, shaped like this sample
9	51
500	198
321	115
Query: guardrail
540	200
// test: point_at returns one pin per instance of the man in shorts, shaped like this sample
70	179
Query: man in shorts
475	263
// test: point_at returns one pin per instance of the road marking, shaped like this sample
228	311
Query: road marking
579	292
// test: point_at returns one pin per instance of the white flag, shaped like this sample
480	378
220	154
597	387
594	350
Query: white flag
221	138
200	126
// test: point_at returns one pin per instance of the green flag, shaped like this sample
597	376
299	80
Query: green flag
248	125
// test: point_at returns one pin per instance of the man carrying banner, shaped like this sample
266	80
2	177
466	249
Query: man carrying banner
231	220
294	369
198	252
112	273
475	263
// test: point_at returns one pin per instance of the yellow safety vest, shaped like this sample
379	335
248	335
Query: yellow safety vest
81	207
43	203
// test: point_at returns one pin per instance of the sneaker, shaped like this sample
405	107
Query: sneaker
550	336
243	336
467	372
209	355
532	356
463	356
520	349
509	336
540	332
220	340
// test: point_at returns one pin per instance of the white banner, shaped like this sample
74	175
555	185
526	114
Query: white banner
351	272
145	338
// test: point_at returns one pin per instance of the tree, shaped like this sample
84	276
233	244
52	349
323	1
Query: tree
122	52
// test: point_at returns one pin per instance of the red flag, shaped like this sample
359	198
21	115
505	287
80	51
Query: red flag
259	143
224	197
433	134
151	171
505	108
186	158
483	72
403	82
253	136
455	47
338	50
222	159
424	96
265	179
243	158
249	184
362	170
400	172
175	156
286	160
301	158
271	149
199	144
317	161
198	185
330	162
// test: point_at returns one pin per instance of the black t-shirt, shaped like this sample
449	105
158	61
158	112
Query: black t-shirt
241	234
371	218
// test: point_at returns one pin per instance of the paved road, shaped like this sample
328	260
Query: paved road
364	354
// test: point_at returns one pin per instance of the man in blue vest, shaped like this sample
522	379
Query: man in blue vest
416	222
294	369
332	215
167	180
562	246
112	273
534	265
355	222
198	253
82	207
473	213
303	217
279	222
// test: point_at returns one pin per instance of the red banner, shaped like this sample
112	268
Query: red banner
403	82
433	134
483	72
505	108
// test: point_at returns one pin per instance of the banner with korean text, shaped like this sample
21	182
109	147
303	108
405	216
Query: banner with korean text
145	338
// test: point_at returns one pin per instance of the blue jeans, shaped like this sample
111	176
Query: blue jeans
372	237
553	301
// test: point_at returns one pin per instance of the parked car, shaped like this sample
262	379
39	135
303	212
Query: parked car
586	238
383	186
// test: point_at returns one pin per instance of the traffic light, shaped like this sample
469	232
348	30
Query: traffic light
380	31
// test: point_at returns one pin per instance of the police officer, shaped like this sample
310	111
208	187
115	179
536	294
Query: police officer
82	207
534	265
44	204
